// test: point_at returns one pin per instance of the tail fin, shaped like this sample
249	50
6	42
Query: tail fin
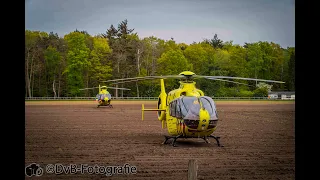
162	86
162	101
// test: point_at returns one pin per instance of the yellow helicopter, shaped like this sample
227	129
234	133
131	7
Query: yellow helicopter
186	112
104	97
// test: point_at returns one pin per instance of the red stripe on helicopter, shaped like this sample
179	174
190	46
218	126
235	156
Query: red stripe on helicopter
184	130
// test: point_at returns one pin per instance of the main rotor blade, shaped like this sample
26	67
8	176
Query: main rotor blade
241	78
89	88
134	80
232	82
144	78
107	88
118	88
125	80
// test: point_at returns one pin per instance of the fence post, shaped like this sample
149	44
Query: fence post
192	169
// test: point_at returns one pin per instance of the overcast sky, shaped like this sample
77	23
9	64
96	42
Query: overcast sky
184	20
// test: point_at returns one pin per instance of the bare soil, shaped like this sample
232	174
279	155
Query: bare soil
258	139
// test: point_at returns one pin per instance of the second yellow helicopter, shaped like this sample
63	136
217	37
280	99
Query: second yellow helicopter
104	97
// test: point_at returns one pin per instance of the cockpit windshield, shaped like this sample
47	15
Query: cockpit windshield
102	96
188	107
189	104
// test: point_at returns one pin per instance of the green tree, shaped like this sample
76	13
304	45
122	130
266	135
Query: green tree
77	61
121	50
100	68
61	66
214	42
31	39
153	49
35	44
172	62
255	61
52	57
197	56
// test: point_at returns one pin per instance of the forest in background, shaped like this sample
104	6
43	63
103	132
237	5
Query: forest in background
60	66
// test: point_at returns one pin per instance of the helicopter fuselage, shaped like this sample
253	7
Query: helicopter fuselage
204	119
103	98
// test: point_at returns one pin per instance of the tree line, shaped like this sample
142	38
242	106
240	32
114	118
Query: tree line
60	66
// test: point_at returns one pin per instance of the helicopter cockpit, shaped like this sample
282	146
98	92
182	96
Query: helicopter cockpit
102	96
188	107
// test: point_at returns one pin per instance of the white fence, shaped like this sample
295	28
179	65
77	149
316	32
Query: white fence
138	98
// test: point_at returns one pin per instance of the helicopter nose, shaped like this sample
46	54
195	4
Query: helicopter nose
203	125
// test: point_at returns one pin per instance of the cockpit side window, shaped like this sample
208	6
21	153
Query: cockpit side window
178	109
98	96
173	108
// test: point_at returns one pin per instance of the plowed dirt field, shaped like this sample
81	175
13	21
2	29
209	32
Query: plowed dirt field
258	139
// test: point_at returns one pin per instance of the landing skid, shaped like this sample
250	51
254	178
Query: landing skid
110	106
171	137
216	138
180	136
